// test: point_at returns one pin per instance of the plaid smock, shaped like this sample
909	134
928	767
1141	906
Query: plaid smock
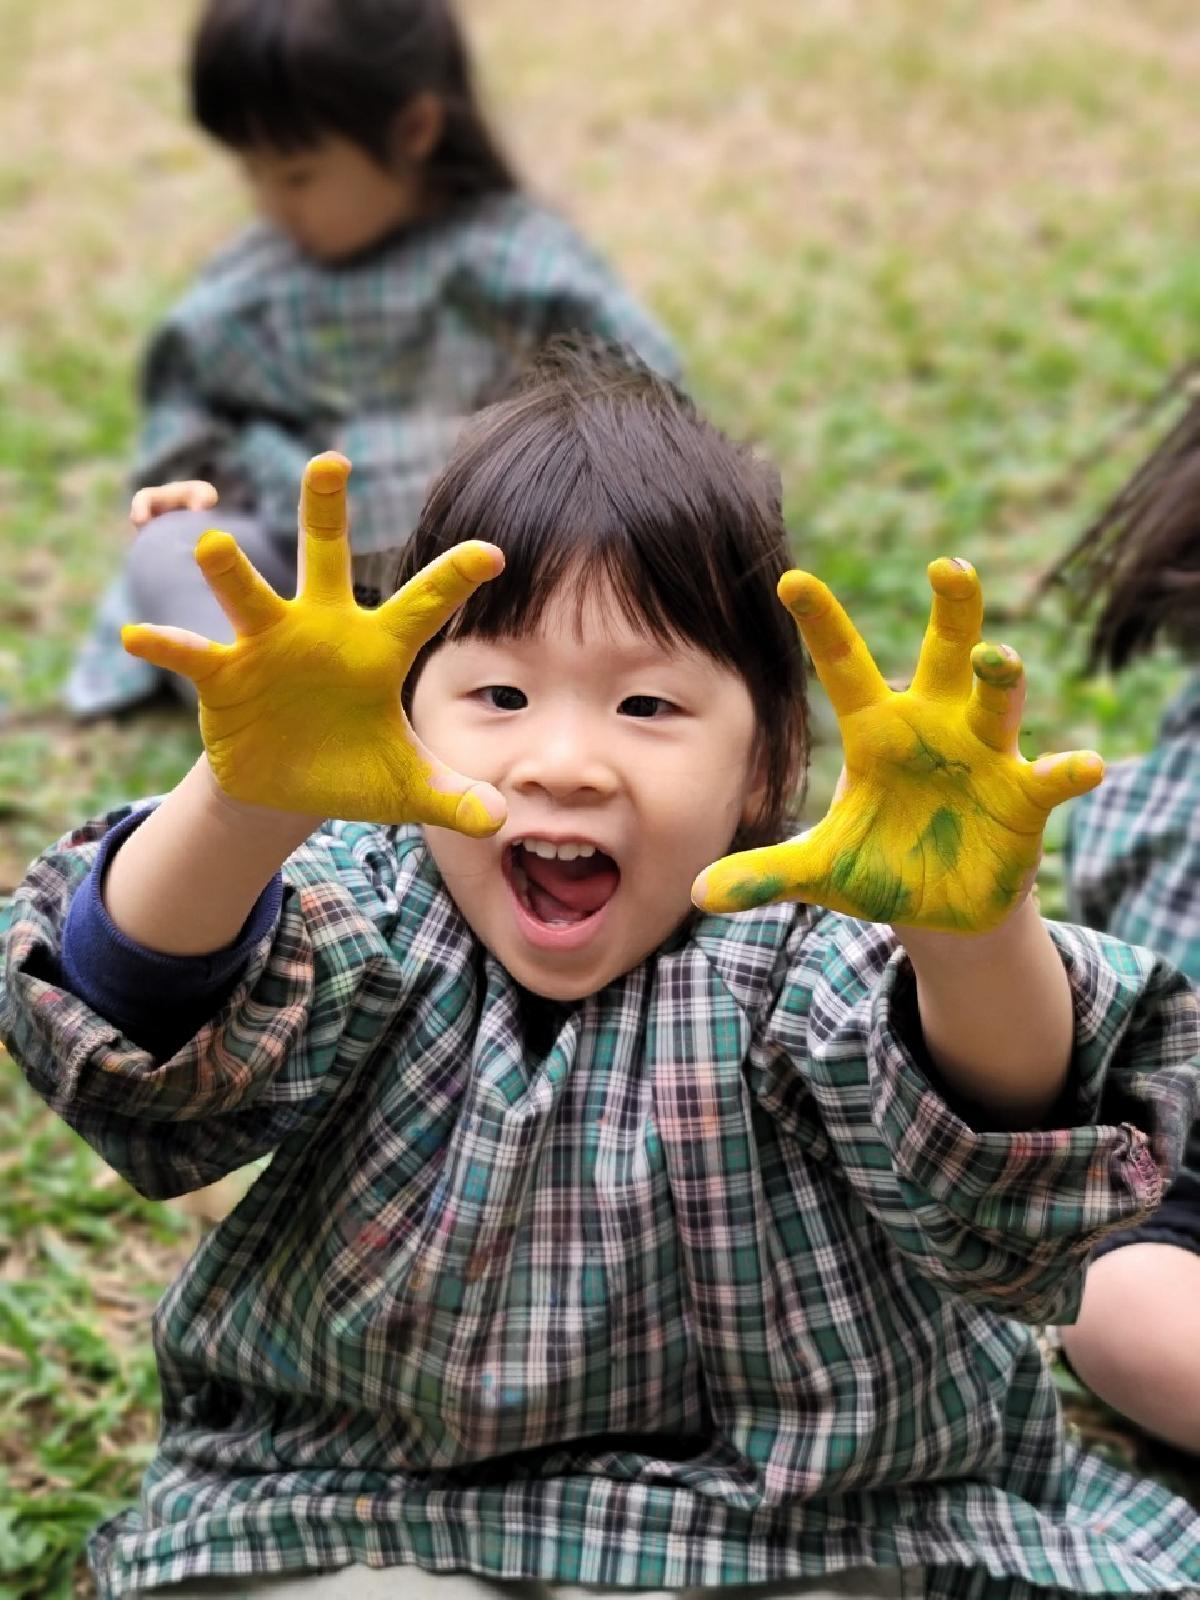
1133	845
704	1283
271	357
1133	867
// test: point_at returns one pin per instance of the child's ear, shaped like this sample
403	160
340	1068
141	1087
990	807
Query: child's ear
419	127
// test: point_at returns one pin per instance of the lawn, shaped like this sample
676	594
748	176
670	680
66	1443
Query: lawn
930	257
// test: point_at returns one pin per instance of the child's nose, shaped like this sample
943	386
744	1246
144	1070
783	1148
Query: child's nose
563	758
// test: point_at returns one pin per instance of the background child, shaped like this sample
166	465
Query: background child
605	1242
398	278
1133	864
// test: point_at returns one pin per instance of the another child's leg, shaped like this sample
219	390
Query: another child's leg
1137	1341
166	586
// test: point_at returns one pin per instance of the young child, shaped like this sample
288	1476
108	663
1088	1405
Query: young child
398	278
606	1241
1133	856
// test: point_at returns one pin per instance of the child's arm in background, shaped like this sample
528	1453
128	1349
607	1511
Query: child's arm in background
938	831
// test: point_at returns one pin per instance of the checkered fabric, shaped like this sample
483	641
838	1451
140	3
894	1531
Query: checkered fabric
700	1281
271	357
1133	868
1133	844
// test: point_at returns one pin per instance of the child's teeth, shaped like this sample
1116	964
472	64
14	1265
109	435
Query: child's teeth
564	852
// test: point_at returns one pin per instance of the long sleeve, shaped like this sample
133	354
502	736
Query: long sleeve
306	1010
155	999
1005	1220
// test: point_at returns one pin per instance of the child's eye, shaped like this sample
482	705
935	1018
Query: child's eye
504	697
645	705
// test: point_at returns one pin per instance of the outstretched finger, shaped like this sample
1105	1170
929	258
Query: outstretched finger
427	601
843	663
944	666
1052	779
447	799
324	565
750	878
174	649
245	597
997	696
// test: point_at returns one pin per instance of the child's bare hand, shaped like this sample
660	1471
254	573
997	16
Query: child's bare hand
939	823
302	712
190	494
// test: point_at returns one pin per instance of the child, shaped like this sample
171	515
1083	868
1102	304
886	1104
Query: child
1133	854
398	277
605	1241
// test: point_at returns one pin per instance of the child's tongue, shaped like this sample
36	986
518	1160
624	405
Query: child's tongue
578	888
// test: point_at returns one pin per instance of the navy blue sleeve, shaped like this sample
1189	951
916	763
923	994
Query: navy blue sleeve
158	1001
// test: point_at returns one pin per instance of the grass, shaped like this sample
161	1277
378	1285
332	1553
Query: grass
927	257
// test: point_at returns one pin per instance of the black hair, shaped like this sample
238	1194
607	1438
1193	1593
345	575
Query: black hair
598	472
284	73
1139	560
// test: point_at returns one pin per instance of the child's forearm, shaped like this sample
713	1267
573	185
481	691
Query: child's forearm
186	880
996	1014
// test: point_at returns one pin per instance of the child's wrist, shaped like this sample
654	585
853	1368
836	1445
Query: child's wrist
926	946
247	818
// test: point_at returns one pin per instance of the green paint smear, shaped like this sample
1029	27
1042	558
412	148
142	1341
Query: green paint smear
877	893
1008	886
942	836
747	893
925	760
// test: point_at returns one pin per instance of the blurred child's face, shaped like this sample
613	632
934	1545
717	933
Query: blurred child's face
332	198
627	767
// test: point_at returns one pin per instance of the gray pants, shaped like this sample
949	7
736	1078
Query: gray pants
413	1583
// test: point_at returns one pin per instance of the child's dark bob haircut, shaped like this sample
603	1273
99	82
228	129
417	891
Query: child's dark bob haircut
282	74
598	473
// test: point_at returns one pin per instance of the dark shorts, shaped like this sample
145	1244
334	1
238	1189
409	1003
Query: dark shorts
1177	1220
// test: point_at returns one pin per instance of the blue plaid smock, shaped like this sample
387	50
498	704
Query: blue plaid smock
705	1283
271	357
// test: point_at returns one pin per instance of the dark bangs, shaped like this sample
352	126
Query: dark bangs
601	478
281	74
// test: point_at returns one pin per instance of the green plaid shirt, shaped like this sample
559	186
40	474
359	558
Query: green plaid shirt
1133	845
699	1282
271	357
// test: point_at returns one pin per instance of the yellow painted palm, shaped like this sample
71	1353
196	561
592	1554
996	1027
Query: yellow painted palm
302	712
938	820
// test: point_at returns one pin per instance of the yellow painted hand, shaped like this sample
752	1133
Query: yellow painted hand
302	712
939	819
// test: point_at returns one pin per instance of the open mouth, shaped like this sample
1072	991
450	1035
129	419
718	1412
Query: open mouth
560	886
